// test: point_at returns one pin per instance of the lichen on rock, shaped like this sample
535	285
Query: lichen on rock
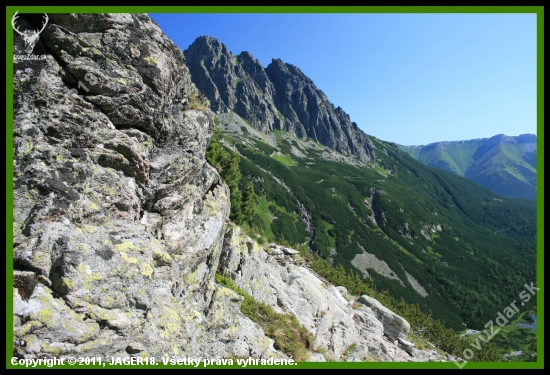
118	218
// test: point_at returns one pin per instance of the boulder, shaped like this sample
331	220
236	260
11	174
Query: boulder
290	251
344	333
343	291
276	251
404	342
394	325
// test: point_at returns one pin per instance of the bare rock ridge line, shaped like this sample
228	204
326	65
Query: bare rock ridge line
120	224
277	97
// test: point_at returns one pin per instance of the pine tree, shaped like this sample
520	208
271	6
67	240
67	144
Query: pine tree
232	173
248	206
215	154
236	213
243	204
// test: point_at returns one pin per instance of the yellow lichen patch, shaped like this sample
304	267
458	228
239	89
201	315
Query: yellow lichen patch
27	328
108	301
161	256
76	316
92	331
87	276
192	277
47	348
29	340
115	271
45	316
84	247
170	321
265	342
99	313
151	60
86	229
40	257
85	347
146	269
83	334
125	246
191	316
84	269
66	283
211	206
131	260
219	315
25	148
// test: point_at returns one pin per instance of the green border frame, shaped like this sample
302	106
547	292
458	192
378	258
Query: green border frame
538	10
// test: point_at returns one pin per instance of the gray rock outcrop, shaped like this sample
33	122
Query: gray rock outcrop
118	219
344	330
394	325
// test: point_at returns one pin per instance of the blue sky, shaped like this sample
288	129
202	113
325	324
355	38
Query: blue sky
406	78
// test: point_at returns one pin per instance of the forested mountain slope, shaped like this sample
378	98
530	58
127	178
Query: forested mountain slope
423	234
503	164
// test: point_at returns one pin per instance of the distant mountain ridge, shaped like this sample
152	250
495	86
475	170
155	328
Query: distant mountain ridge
507	165
279	97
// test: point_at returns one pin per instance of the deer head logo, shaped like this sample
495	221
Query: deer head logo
30	37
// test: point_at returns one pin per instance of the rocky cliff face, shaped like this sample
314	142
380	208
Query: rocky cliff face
118	219
120	224
277	97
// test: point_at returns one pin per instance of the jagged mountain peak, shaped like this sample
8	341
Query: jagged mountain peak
247	56
210	41
279	96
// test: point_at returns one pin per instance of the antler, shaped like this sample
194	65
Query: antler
13	19
45	23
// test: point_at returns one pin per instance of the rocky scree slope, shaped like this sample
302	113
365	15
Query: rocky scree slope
279	97
119	223
346	328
